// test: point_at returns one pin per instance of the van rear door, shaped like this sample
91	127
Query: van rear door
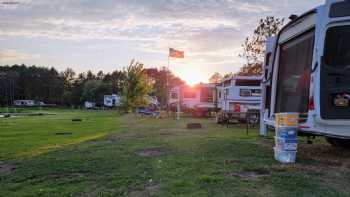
335	74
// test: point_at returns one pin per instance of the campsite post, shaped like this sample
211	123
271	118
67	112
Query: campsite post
178	105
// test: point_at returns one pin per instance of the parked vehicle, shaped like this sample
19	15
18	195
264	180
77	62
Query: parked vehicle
239	95
307	70
112	100
89	105
151	109
199	100
28	103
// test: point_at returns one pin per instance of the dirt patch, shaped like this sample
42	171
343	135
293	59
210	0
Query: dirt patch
151	152
324	156
194	126
6	168
150	190
231	162
253	175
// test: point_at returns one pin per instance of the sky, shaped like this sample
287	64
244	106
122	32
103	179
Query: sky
107	34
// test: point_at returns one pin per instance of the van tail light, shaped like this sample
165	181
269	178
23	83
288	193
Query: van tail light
311	104
237	108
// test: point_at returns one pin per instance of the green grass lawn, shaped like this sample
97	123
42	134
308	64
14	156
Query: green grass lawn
113	155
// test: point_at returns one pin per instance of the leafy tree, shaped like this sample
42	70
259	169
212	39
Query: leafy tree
216	78
159	81
94	90
254	46
39	83
100	75
117	79
69	77
228	75
72	89
135	87
90	75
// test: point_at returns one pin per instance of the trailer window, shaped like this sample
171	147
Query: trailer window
244	82
189	95
207	94
245	93
294	74
174	96
256	92
337	50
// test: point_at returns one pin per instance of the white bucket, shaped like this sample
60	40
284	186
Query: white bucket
285	156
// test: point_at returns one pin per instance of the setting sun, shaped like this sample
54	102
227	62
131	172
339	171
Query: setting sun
191	75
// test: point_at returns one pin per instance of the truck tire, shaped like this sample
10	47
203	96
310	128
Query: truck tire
336	142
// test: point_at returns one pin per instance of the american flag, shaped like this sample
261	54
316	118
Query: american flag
176	54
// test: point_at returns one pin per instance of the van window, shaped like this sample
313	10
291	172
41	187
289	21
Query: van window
340	9
294	74
337	50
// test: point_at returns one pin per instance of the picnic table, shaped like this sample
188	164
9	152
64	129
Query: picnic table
250	118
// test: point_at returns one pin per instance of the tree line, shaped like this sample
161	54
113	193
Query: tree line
68	88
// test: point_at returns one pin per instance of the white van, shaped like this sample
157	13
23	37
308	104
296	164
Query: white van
307	70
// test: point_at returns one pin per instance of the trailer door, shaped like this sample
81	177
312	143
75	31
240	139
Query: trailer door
293	81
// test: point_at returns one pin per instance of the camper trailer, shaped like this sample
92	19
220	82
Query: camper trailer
238	95
199	99
26	103
307	70
112	100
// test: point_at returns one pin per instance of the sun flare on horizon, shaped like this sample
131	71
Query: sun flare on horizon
192	76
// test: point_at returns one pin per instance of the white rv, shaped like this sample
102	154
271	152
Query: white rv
307	70
24	103
89	105
112	100
237	96
198	99
240	94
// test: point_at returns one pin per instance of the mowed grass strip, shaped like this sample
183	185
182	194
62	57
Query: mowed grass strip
151	157
33	135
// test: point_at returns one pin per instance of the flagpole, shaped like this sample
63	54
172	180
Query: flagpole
168	93
167	83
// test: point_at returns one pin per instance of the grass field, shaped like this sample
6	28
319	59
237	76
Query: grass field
121	155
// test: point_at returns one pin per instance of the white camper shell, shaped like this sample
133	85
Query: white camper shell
307	70
240	94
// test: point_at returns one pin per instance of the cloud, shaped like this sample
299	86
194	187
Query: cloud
209	31
13	55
